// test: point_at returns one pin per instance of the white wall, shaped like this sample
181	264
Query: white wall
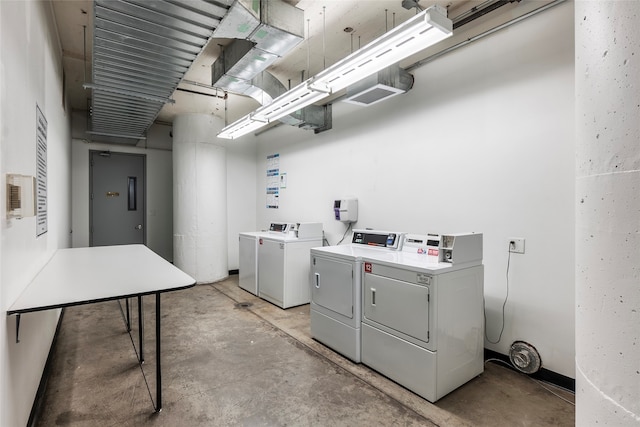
484	142
30	74
159	179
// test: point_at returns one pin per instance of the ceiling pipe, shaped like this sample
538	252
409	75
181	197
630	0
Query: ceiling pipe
507	24
195	92
481	12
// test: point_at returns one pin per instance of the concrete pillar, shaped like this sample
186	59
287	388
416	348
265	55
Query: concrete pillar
199	198
607	43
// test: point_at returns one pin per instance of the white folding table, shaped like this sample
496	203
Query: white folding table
87	275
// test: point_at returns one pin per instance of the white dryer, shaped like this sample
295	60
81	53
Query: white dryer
336	288
422	321
283	263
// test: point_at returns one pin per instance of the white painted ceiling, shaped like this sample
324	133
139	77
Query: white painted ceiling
325	43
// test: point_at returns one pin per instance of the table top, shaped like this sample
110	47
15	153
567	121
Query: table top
86	275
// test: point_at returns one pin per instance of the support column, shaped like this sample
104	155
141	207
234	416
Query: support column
607	43
199	198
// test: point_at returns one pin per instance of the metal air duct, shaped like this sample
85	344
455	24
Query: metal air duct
141	51
263	31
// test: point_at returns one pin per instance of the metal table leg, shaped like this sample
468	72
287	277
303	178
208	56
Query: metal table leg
158	370
128	315
141	328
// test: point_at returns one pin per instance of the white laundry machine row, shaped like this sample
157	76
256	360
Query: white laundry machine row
274	264
423	321
336	288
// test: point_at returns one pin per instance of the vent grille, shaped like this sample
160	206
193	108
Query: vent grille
14	201
373	95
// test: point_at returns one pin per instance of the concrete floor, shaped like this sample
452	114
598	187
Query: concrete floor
223	364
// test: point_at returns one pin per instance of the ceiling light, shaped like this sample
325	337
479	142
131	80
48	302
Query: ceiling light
412	36
288	103
240	127
418	33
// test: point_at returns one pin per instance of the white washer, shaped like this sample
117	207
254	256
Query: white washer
422	322
248	265
248	253
336	285
283	264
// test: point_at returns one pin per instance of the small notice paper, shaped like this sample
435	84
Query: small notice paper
273	181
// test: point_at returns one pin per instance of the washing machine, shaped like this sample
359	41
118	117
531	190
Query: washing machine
283	263
248	253
336	295
248	260
422	321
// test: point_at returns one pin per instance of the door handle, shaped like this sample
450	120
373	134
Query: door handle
373	297
139	227
317	280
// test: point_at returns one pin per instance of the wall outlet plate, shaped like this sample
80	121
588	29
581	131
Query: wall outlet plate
516	245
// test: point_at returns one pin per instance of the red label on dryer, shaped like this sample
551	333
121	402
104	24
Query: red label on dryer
433	252
260	241
367	267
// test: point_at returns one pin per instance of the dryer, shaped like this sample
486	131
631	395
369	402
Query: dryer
422	321
336	296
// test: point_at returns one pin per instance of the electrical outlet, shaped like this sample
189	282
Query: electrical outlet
516	245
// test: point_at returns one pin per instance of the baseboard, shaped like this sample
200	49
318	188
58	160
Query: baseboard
39	399
543	374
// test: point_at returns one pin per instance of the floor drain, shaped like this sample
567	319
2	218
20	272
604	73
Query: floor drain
243	305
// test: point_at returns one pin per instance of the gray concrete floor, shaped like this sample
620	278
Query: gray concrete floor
223	364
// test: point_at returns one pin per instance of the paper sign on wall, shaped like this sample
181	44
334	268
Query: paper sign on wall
273	181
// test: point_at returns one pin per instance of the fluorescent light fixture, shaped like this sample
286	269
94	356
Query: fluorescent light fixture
289	102
412	36
240	127
423	30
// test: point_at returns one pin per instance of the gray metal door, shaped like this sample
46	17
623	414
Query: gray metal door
117	198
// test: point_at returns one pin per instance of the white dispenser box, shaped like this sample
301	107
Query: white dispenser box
346	210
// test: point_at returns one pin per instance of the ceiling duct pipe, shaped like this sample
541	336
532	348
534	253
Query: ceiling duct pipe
263	31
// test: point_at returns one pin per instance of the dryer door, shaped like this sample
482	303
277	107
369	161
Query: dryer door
332	285
397	305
